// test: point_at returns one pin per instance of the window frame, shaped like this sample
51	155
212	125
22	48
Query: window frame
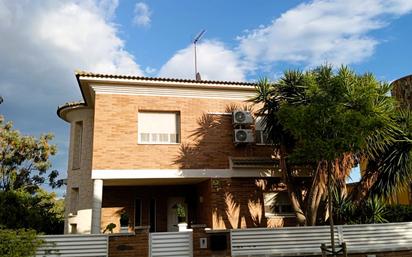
272	206
77	145
150	142
74	201
261	134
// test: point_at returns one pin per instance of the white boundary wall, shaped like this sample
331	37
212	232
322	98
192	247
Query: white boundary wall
307	240
74	246
171	244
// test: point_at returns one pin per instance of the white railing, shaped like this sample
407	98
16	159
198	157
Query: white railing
171	244
74	246
307	240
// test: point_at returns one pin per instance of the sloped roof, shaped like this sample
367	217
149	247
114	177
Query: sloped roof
130	77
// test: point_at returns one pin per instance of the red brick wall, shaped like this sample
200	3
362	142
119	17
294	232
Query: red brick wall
226	203
198	233
238	203
134	245
206	139
204	212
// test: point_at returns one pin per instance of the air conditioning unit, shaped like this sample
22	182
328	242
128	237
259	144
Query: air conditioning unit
242	117
244	136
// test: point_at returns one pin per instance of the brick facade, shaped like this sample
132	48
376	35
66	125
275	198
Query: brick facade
238	203
206	139
218	203
110	143
132	245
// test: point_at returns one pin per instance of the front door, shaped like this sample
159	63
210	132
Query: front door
172	219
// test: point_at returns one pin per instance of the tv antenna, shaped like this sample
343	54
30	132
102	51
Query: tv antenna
197	38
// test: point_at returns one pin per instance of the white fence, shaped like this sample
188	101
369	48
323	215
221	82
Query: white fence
307	240
171	244
74	246
281	241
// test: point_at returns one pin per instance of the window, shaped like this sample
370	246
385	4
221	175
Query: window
77	144
277	204
73	228
261	134
138	212
74	200
158	127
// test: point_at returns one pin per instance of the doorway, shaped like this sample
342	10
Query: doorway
172	219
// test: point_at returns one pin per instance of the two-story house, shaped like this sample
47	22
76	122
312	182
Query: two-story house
146	147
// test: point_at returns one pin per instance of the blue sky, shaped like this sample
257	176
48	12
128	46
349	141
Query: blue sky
43	42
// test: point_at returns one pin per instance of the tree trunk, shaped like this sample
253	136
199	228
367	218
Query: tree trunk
365	184
314	196
294	200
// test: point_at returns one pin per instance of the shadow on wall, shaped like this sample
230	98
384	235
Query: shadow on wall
235	202
210	144
239	202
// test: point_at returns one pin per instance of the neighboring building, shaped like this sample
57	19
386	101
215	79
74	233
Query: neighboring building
145	146
402	91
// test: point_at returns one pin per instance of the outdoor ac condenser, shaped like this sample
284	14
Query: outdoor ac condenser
244	136
242	117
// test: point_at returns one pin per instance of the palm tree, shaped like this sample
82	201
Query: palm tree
330	121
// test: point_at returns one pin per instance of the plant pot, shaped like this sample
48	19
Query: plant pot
124	229
182	226
181	219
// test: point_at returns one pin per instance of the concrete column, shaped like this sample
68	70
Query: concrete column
97	205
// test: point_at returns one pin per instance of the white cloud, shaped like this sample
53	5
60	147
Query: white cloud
215	62
335	31
142	15
149	70
45	43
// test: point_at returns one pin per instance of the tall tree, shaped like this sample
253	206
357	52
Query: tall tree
25	160
24	167
330	121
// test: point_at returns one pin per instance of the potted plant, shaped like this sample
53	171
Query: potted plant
181	213
181	217
124	222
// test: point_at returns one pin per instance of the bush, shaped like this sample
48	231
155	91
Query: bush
372	210
18	243
399	213
39	211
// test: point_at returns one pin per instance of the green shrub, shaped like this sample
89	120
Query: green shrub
399	213
23	210
18	243
372	210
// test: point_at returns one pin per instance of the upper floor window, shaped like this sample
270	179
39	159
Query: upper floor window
261	135
158	127
77	145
